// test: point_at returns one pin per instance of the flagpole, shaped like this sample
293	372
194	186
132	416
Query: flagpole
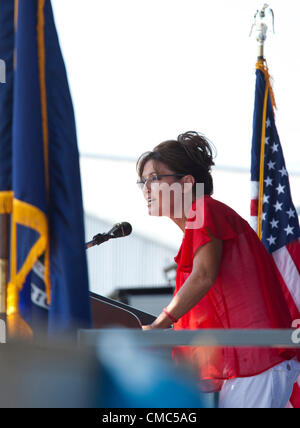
261	36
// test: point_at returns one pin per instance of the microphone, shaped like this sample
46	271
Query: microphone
117	231
120	229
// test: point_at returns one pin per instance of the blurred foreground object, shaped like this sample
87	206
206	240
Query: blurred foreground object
116	376
138	378
43	376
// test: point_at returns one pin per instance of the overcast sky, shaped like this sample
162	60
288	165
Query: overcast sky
143	71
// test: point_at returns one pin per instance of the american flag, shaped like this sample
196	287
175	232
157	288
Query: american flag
273	214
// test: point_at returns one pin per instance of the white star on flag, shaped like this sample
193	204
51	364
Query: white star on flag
283	171
280	189
274	148
267	140
274	223
268	181
278	206
266	199
289	230
291	213
268	123
271	165
271	240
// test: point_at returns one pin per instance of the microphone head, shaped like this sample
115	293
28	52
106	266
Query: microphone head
121	229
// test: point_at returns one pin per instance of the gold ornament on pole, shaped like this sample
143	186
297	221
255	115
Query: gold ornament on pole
262	28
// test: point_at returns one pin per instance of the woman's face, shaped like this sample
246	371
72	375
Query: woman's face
162	190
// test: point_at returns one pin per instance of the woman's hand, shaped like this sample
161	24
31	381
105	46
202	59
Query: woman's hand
147	327
161	322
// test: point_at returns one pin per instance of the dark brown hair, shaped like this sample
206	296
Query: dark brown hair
190	154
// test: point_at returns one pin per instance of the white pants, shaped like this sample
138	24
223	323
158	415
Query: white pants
270	389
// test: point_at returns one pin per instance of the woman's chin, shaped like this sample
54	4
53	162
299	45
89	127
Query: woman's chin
154	211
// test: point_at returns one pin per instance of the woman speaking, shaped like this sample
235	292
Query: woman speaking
225	278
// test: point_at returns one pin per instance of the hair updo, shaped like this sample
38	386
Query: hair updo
190	154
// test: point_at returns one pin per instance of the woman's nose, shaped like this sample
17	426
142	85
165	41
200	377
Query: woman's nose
147	186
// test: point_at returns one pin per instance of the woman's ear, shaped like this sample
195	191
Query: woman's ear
188	181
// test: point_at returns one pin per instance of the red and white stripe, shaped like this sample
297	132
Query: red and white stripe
287	260
254	204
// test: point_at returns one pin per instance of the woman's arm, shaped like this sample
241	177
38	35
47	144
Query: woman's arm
206	265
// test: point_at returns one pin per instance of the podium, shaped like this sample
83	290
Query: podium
111	313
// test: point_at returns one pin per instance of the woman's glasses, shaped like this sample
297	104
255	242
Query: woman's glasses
155	178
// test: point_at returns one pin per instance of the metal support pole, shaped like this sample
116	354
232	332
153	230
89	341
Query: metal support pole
273	338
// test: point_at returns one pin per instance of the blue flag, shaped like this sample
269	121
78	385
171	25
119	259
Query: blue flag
6	96
48	268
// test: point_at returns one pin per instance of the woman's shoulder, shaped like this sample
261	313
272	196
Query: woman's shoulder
214	207
211	202
221	219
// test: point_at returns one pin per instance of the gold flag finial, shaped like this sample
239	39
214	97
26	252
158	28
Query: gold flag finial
262	28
